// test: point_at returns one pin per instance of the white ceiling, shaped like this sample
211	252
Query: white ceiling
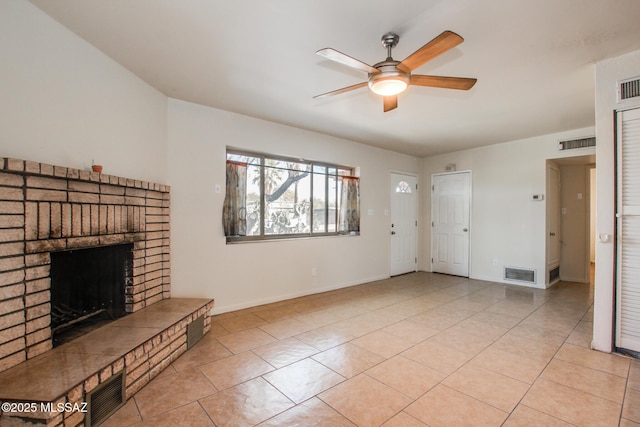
534	61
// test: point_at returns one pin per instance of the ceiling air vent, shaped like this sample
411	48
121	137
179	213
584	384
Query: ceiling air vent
630	88
520	274
572	144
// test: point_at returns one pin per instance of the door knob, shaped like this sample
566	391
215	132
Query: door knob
552	234
465	229
393	232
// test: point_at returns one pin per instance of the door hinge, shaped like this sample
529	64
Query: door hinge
433	188
431	260
432	224
415	260
416	187
416	222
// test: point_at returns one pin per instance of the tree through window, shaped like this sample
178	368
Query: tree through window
280	197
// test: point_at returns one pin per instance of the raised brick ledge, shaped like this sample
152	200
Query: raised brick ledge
143	343
27	167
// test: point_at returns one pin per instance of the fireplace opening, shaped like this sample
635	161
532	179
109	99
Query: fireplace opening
88	289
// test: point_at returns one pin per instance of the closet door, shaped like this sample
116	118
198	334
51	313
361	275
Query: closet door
628	231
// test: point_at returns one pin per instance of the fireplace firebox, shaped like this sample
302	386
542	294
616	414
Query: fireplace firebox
88	289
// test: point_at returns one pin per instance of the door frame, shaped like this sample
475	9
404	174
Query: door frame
389	213
548	262
469	234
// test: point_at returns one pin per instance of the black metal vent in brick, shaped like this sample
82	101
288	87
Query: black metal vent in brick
195	331
520	274
105	399
577	143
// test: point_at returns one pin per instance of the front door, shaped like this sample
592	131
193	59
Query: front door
450	204
404	224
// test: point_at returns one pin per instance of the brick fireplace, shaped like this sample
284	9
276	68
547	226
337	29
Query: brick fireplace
48	212
45	209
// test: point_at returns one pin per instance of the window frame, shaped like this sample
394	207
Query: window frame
349	172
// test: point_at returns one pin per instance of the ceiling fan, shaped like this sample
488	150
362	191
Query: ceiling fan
390	77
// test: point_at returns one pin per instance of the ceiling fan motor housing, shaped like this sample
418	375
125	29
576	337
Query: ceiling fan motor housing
389	73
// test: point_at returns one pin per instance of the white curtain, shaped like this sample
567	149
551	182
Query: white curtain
349	215
234	210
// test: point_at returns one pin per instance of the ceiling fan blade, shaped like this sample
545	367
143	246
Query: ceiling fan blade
343	90
444	42
340	57
461	83
390	102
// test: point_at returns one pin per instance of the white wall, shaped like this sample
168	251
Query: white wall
64	102
246	274
608	74
506	225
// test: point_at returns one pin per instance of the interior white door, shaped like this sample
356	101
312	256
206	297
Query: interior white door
404	223
554	197
628	232
450	212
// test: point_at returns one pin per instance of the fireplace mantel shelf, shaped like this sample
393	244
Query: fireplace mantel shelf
50	376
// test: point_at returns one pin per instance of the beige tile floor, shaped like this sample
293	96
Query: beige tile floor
415	350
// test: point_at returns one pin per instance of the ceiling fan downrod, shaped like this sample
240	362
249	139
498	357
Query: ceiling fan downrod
389	41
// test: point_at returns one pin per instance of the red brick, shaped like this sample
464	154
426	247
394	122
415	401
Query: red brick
38	298
38	349
84	187
38	336
11	334
56	220
38	323
14	164
12	263
11	207
12	319
46	169
82	242
76	197
44	220
37	259
12	360
46	195
112	189
38	311
31	167
46	183
11	221
9	249
66	219
45	246
38	285
11	235
12	291
60	171
86	220
12	346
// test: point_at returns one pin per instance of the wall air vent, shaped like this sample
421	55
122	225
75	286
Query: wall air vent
630	88
577	143
105	399
520	274
195	331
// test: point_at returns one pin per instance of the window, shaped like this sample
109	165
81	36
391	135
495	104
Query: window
269	197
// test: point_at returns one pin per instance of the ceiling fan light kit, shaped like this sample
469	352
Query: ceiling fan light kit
390	77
